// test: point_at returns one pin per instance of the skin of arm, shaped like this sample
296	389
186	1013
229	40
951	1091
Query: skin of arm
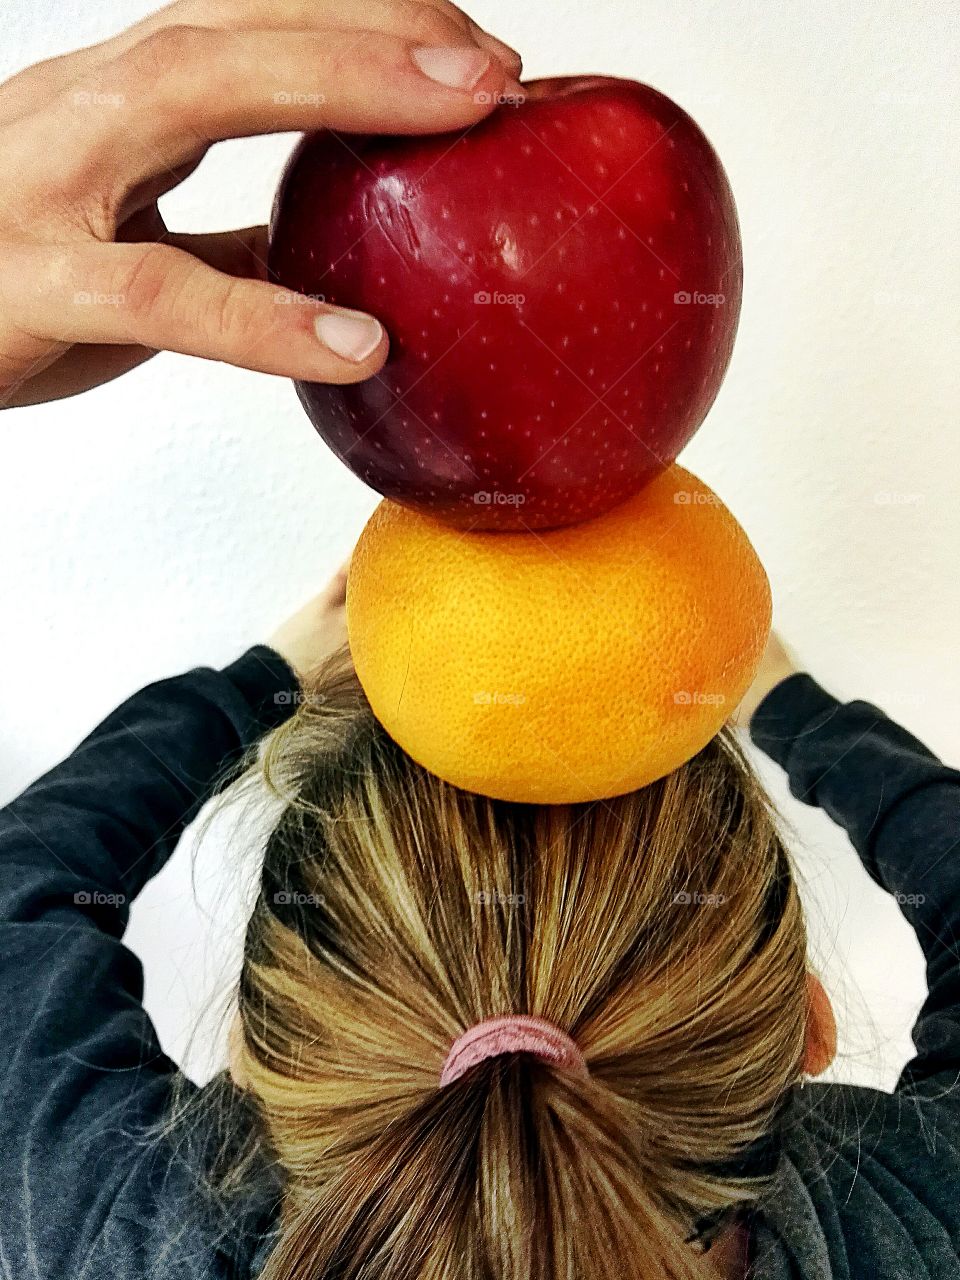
92	281
776	664
317	629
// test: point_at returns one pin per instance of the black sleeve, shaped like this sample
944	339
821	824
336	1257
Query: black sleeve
900	806
82	1070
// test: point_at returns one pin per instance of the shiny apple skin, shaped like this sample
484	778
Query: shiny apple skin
583	215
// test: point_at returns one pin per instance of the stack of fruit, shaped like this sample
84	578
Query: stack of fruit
545	607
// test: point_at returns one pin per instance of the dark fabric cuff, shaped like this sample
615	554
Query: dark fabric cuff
787	710
268	683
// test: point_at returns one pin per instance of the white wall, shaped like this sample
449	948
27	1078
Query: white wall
173	517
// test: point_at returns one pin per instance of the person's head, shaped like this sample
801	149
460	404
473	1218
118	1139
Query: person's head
662	930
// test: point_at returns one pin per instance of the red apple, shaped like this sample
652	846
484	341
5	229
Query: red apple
561	285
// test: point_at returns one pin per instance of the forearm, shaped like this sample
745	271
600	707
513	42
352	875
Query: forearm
94	829
849	759
900	805
83	1069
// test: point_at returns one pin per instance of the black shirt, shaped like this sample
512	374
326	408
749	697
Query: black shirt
868	1185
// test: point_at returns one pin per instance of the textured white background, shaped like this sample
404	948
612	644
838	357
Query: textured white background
172	518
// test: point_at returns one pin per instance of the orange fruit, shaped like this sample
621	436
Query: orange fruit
559	666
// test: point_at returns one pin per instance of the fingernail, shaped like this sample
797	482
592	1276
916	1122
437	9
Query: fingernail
350	334
455	68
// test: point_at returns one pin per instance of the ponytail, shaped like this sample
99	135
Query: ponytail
661	930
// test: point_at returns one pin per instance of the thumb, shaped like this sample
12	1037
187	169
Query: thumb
158	296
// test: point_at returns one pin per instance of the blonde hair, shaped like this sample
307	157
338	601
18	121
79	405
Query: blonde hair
662	930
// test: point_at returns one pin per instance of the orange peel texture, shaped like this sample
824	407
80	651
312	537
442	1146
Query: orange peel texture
560	666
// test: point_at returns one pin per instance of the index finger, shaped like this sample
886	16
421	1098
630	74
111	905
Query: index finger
306	14
184	88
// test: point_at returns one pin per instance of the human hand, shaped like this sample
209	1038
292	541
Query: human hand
775	665
91	281
316	630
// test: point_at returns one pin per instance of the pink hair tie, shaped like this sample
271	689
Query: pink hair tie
512	1033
